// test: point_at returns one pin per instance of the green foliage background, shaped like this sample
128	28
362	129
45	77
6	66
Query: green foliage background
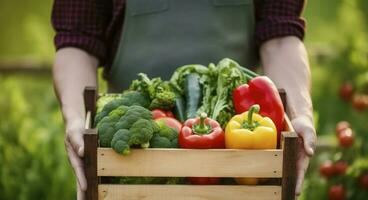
33	163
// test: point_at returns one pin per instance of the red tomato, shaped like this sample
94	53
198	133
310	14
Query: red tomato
327	169
342	125
170	114
336	192
346	91
341	167
157	113
346	138
363	180
360	102
203	180
171	122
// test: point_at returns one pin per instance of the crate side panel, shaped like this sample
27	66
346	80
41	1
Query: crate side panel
188	192
191	162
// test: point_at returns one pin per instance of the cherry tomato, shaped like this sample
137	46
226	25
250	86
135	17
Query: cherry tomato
203	180
346	91
327	169
346	138
363	180
171	122
342	125
336	192
341	167
360	102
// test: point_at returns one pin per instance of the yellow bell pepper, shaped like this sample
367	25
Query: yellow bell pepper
250	130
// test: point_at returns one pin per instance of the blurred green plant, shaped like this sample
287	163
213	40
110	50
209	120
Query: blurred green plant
32	156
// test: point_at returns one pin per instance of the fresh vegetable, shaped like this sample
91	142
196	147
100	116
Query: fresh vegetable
363	180
346	91
336	192
104	99
250	130
193	94
170	122
262	91
360	102
157	113
160	92
201	133
179	107
111	102
142	131
342	125
120	141
327	169
217	83
341	167
346	138
134	125
166	137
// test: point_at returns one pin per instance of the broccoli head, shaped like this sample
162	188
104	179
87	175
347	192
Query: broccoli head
142	132
160	92
120	141
130	98
106	131
133	114
166	137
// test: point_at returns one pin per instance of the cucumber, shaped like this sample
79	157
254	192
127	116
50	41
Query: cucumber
179	108
193	94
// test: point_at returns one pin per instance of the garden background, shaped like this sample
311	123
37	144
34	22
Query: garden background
33	163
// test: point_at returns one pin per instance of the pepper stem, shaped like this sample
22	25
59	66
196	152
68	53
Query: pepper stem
202	128
250	124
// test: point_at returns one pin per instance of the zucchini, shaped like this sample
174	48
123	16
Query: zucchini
193	94
179	108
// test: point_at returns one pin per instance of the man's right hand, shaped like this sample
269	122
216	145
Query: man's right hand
74	146
73	70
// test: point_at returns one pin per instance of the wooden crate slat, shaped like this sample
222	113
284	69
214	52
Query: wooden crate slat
191	162
188	192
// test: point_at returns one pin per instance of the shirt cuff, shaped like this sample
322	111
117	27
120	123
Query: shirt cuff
269	29
87	43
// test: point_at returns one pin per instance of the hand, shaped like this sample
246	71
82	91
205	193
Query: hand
306	146
74	146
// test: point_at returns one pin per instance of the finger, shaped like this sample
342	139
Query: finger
306	131
302	165
77	165
76	139
309	141
80	193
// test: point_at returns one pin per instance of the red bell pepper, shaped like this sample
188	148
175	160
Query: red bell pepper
261	90
202	133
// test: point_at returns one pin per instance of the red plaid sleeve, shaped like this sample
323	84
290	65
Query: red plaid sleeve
278	18
81	24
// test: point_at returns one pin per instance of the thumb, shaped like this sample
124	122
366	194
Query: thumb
304	128
76	140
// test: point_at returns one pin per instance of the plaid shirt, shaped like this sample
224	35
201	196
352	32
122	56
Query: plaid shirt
95	25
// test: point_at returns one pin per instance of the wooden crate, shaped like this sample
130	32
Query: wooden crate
278	164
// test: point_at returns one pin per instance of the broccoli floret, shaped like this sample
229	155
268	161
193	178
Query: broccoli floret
120	141
104	99
164	99
112	105
133	114
106	132
142	132
166	137
130	98
160	92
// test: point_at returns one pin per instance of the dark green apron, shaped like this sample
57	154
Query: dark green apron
161	35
